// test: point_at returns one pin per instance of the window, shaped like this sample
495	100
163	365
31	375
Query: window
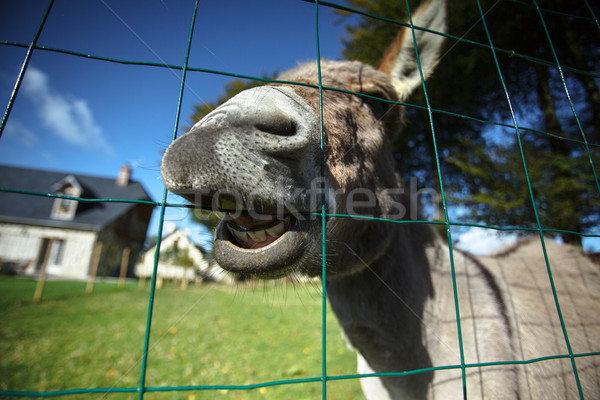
56	252
64	208
51	252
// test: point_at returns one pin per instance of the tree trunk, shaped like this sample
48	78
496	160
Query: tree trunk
592	93
569	194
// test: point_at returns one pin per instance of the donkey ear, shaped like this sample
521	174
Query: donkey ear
400	60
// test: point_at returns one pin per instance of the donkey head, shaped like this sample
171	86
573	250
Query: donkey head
263	158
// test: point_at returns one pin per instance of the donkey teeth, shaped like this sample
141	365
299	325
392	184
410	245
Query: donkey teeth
260	235
277	230
242	236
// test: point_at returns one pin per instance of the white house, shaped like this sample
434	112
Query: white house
62	233
179	259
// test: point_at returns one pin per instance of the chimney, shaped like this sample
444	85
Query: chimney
124	175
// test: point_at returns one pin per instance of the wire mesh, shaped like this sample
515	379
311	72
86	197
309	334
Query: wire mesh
447	222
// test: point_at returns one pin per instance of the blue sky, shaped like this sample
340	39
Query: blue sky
90	116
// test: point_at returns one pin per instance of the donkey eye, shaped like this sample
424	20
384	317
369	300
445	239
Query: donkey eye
378	107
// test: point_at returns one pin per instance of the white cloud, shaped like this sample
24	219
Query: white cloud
19	132
69	118
484	241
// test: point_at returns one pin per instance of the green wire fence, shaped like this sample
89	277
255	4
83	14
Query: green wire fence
324	378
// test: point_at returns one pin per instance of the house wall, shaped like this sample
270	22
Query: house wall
22	243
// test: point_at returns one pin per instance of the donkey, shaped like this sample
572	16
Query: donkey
261	157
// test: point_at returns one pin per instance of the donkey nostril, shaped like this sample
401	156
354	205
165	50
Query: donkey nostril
277	126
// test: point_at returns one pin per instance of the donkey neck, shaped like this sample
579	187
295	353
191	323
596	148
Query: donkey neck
381	308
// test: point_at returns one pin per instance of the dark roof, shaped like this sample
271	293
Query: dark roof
36	210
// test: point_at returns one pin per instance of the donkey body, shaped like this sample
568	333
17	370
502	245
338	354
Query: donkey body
390	285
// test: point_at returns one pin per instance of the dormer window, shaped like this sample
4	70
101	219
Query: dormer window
65	209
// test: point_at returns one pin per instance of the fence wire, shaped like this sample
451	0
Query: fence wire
142	388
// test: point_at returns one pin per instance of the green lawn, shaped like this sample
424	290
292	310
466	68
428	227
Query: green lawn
212	335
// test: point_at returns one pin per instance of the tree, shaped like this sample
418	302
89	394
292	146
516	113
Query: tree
481	164
180	257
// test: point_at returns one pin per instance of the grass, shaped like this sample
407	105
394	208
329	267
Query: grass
212	335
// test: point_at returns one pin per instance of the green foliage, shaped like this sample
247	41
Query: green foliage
210	219
562	199
481	164
369	38
177	256
213	335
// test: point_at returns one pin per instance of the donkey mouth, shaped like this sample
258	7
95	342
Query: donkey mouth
265	247
255	233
